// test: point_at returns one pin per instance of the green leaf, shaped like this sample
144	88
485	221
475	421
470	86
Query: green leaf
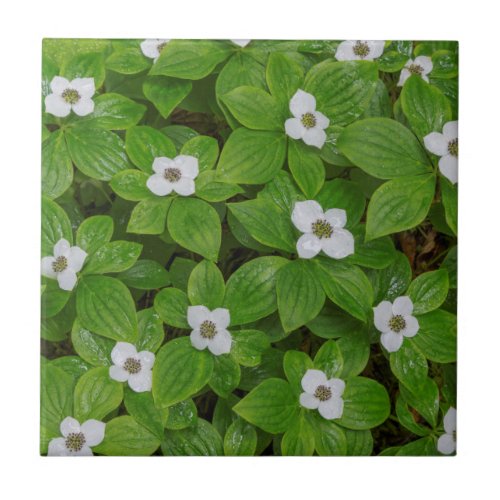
94	232
444	64
347	286
298	439
195	225
295	364
143	144
342	89
424	399
206	285
271	365
141	406
421	448
145	275
166	93
96	395
271	406
208	188
380	103
204	148
284	77
55	225
151	332
93	348
359	443
179	134
409	365
191	59
306	167
332	323
428	291
252	157
254	108
300	295
375	254
180	371
282	192
265	222
329	438
392	281
131	185
57	169
201	439
149	216
449	196
355	350
113	257
125	437
366	404
248	346
226	375
437	336
53	298
329	359
127	61
72	365
408	417
250	291
96	152
240	439
172	304
104	306
181	415
383	148
89	65
426	108
399	204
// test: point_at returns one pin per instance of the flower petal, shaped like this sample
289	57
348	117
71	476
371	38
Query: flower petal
448	166
67	279
425	62
381	316
311	380
344	51
161	163
333	408
184	186
197	340
412	326
221	317
59	84
321	120
337	386
147	359
241	43
188	165
118	373
392	341
93	431
47	269
57	106
339	245
404	75
314	137
221	343
309	401
450	130
436	143
450	420
302	102
142	381
305	213
76	258
337	217
446	444
61	248
84	86
158	185
196	315
122	351
308	246
376	48
84	106
150	48
403	306
69	425
294	128
57	448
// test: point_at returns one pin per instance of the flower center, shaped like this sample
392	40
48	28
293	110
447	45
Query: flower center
415	69
361	49
322	229
75	441
161	46
71	96
453	147
397	323
132	365
172	174
60	264
323	393
308	120
208	330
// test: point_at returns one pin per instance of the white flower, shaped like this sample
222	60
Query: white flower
322	394
322	231
64	265
353	50
68	95
173	175
395	322
447	443
77	439
132	366
241	43
421	65
308	123
152	48
445	145
210	329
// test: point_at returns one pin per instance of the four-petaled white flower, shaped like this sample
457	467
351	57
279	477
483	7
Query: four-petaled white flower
152	48
68	95
210	329
354	50
322	394
395	322
242	42
447	442
64	265
421	65
173	175
77	439
322	231
132	366
445	145
307	124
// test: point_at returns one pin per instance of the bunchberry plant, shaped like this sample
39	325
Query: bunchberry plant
248	247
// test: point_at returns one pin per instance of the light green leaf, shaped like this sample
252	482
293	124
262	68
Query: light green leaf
90	65
240	439
409	365
57	169
298	439
329	438
149	216
131	185
328	359
181	415
284	77
141	406
201	439
204	148
295	364
127	61
172	304
226	375
248	346
94	232
150	328
55	225
166	93
113	257
428	291
306	167
449	197
93	348
145	274
206	285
